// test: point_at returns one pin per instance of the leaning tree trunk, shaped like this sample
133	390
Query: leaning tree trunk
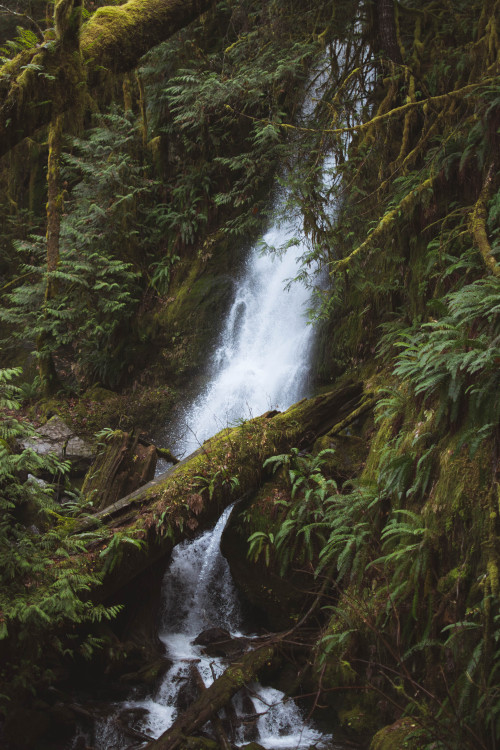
214	698
144	526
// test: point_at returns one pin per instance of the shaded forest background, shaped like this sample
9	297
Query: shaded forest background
123	220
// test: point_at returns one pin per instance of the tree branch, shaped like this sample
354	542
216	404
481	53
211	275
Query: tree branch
114	39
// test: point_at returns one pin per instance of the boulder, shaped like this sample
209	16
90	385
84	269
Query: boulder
55	436
219	642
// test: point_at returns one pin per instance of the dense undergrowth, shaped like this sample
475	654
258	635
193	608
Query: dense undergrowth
398	186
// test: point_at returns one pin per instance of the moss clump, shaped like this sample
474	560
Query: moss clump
358	719
144	408
397	736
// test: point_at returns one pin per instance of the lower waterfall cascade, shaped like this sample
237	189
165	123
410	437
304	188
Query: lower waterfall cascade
198	593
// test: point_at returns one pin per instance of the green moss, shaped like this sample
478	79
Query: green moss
397	736
349	458
190	321
358	719
463	483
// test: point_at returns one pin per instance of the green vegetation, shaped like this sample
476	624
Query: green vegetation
166	163
41	590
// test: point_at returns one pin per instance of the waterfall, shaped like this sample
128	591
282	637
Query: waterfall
198	594
262	361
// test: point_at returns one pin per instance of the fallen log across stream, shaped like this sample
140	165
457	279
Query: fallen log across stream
215	697
139	529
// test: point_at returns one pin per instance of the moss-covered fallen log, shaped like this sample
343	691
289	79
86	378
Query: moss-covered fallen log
144	526
214	698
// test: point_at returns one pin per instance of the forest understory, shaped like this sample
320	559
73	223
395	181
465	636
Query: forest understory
143	147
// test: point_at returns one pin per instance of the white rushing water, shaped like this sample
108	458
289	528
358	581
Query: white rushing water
262	361
199	594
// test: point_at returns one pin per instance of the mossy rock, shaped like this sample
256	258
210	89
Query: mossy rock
280	597
143	407
358	718
193	322
397	736
349	458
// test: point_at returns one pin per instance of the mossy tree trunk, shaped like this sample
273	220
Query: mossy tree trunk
114	39
67	22
144	526
214	698
46	368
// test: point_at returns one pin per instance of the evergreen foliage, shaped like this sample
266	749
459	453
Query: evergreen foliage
42	589
395	173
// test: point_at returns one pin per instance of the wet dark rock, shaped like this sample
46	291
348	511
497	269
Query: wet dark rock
131	717
212	635
188	692
219	642
150	674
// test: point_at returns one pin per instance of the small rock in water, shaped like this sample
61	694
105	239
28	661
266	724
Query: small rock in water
219	642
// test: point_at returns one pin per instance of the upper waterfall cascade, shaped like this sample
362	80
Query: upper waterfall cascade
263	358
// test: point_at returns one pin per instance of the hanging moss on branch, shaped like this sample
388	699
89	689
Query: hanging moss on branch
114	39
387	223
478	222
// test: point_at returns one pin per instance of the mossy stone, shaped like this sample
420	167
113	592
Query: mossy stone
397	736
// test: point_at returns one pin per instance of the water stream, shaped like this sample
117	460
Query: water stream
199	594
262	362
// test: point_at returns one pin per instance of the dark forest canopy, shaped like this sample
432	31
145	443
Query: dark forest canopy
140	144
47	77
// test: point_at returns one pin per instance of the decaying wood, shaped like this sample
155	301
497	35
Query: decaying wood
215	721
190	496
214	698
122	465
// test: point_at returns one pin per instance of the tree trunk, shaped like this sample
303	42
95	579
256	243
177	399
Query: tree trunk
386	22
214	698
46	369
114	38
